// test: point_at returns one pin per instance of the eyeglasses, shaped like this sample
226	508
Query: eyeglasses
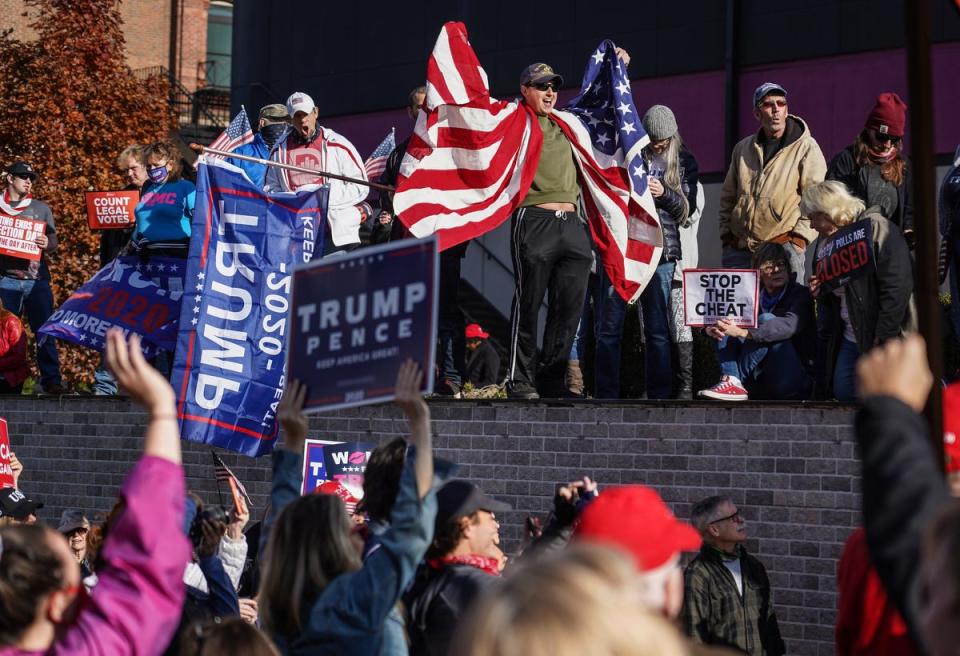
736	517
544	87
773	266
884	138
23	176
774	104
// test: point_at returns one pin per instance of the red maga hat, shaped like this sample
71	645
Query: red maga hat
951	427
635	519
474	330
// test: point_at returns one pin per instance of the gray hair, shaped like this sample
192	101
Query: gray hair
704	512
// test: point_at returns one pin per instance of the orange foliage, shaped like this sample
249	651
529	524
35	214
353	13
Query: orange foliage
70	105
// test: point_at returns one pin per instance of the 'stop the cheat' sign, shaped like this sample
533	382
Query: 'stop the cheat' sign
713	294
355	318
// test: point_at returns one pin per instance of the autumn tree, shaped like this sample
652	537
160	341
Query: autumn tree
70	105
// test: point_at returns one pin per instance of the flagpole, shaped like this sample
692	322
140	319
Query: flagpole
219	493
290	167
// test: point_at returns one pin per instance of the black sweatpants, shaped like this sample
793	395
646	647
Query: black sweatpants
551	253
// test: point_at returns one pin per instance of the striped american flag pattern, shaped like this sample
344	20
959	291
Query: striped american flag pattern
472	158
237	134
222	473
377	161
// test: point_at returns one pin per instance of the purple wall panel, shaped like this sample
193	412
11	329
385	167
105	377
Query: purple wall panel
833	94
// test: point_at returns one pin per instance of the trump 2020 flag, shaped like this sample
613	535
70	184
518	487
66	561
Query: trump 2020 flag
134	296
231	347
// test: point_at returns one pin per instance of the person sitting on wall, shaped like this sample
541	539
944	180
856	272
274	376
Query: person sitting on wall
773	360
483	363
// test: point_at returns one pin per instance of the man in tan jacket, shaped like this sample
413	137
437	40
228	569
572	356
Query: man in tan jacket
760	199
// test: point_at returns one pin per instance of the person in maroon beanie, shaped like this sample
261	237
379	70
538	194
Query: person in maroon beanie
874	168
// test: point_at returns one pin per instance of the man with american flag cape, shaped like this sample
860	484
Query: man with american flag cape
474	160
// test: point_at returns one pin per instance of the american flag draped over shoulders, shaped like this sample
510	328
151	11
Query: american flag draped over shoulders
472	158
377	161
237	134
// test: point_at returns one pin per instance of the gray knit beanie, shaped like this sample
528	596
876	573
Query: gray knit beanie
660	123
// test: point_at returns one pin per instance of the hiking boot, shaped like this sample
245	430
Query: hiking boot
728	389
447	387
521	391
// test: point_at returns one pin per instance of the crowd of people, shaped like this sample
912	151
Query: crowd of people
417	567
779	201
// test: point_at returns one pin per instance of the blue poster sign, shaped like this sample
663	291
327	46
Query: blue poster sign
229	367
355	318
141	297
344	462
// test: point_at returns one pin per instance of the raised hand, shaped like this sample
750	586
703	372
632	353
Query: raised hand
898	369
136	377
292	419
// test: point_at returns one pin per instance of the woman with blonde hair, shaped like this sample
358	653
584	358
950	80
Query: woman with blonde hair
582	600
867	310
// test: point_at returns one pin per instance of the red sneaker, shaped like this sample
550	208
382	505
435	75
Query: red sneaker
725	390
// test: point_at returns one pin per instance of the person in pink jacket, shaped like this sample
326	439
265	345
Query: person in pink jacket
136	605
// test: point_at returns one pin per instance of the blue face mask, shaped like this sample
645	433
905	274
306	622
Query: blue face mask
158	173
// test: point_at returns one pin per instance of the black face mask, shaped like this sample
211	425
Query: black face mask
272	132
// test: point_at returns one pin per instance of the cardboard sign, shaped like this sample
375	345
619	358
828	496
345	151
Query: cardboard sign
111	210
18	236
712	294
6	473
344	462
355	318
845	255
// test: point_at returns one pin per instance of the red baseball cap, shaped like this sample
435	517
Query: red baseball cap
474	330
338	489
635	519
951	427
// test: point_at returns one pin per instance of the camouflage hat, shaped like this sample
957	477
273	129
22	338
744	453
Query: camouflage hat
539	73
275	112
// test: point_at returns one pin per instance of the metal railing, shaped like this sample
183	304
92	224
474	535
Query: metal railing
207	107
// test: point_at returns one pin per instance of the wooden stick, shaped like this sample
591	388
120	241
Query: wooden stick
290	167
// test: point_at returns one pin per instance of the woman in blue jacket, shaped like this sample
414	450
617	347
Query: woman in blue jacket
165	210
317	596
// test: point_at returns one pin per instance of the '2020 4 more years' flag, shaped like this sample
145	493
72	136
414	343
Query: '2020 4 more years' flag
137	297
229	367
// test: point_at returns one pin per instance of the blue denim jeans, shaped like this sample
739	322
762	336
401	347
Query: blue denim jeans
655	310
607	312
104	384
845	372
36	298
768	370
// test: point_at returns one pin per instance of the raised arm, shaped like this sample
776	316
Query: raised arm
415	409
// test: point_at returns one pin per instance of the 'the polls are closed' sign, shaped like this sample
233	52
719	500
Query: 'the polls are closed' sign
713	294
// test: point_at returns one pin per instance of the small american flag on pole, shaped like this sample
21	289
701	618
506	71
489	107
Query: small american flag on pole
377	161
222	473
237	134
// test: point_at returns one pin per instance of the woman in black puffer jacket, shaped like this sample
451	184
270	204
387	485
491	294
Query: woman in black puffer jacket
874	168
672	172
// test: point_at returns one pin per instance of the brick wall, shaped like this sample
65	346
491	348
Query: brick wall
792	470
146	32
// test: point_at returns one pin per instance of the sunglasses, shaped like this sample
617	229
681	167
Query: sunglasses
774	104
884	138
23	176
544	87
773	266
737	517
